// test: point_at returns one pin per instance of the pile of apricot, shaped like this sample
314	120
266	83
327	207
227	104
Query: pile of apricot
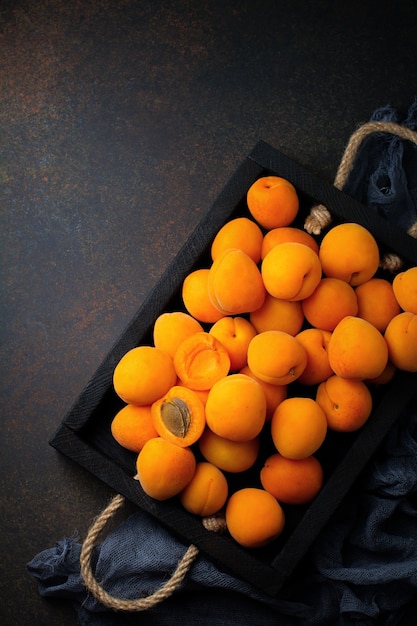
273	307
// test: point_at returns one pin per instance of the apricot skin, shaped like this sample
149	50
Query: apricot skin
401	337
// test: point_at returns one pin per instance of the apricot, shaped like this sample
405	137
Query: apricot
298	427
200	361
132	426
179	416
376	302
227	455
287	233
385	377
278	314
347	403
316	344
329	303
242	233
405	289
164	469
235	334
401	338
143	375
292	481
254	517
350	252
291	271
207	491
276	357
272	201
236	408
235	283
196	299
170	329
357	349
274	394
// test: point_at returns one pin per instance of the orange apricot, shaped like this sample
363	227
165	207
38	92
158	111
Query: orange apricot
236	408
242	233
172	328
278	314
196	299
329	303
357	349
207	491
346	402
235	283
200	361
287	233
292	481
164	469
274	394
235	334
291	271
405	289
272	201
376	302
132	426
276	357
316	345
401	337
143	375
179	416
254	517
350	252
227	455
298	427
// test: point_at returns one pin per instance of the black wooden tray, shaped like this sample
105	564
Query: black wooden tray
84	434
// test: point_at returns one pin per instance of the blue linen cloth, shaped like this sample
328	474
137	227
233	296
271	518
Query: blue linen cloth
362	568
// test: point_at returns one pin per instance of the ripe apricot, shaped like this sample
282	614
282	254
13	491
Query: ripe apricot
357	349
207	491
132	426
143	375
350	252
196	297
272	201
241	233
347	403
278	314
235	283
316	345
276	357
329	303
227	455
405	289
164	469
179	416
254	517
235	334
298	427
376	302
172	328
292	481
401	338
274	394
200	361
287	233
236	408
291	271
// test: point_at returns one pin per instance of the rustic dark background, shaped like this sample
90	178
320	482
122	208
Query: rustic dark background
121	120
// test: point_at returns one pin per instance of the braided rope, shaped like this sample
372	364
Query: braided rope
215	524
320	217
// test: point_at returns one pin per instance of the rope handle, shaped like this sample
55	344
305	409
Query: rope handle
213	523
320	217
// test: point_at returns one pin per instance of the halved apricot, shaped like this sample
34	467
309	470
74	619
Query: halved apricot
179	416
201	360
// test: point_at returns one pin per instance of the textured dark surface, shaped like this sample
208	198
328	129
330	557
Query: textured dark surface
120	123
